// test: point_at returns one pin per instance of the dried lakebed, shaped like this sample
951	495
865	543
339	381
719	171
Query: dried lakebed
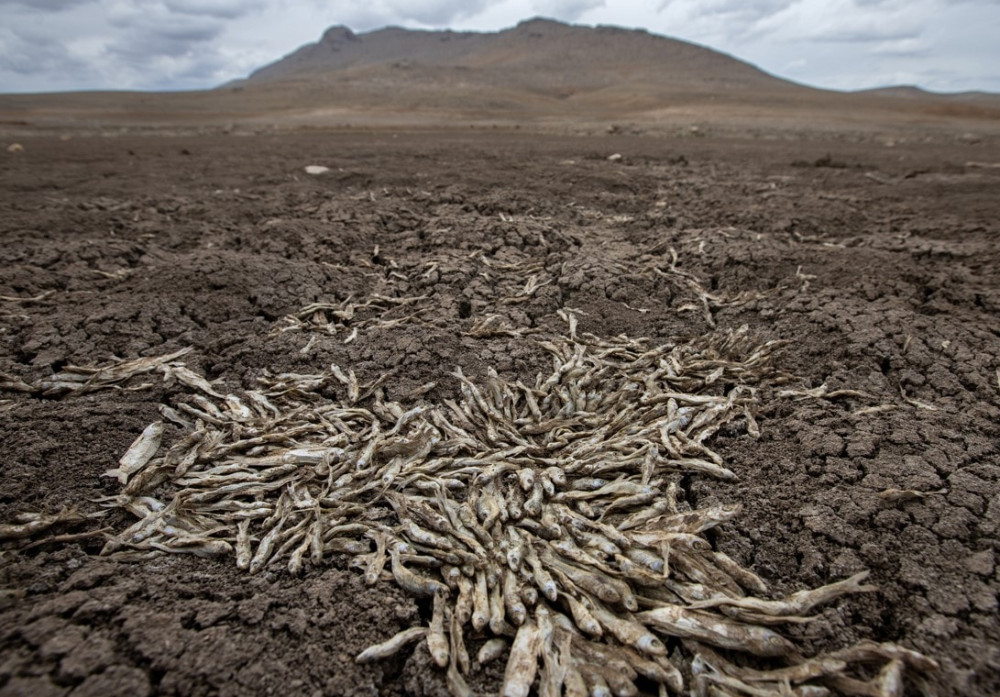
580	501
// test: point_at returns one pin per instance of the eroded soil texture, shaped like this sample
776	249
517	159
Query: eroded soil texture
878	265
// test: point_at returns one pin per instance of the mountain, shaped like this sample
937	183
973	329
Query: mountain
537	55
540	72
539	69
987	99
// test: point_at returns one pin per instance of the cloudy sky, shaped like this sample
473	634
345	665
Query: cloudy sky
46	45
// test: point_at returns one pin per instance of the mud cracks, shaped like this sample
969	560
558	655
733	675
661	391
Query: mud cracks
409	261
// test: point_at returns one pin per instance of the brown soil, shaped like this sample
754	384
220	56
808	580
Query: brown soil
150	244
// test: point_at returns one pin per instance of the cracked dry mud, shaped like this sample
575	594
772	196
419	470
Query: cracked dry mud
885	284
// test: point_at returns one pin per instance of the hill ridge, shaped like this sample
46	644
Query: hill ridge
535	54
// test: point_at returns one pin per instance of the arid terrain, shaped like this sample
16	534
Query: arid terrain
456	227
877	264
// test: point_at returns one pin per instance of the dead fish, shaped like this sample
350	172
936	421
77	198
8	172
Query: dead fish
199	547
437	640
797	603
533	504
628	632
37	524
244	552
462	612
586	580
526	478
237	409
391	646
542	578
491	651
597	686
699	520
515	608
522	666
189	378
459	661
574	684
744	577
582	617
498	611
139	453
890	679
900	495
643	516
717	631
808	670
411	582
869	652
480	602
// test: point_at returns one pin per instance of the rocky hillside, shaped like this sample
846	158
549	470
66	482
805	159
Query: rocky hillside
538	55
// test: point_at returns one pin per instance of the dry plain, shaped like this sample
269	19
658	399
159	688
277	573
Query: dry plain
862	242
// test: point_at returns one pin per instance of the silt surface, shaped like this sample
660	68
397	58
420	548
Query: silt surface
879	265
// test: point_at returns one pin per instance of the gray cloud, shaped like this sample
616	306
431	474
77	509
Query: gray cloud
119	44
729	10
316	15
840	21
433	12
757	8
903	48
150	33
172	44
47	5
33	55
567	10
730	21
167	24
146	49
219	9
870	33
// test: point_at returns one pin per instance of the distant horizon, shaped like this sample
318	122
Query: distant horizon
177	45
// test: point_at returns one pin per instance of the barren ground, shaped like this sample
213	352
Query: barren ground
151	244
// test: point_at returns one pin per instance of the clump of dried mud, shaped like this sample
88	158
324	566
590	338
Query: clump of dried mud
881	272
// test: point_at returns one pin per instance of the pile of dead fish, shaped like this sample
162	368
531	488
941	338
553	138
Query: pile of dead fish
544	518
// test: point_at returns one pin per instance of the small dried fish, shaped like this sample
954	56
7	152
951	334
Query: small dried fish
180	373
139	453
491	651
413	583
797	603
437	640
628	632
35	524
459	655
695	624
513	604
900	495
391	646
244	551
582	617
522	666
480	602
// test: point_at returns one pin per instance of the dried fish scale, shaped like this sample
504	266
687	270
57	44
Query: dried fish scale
542	515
